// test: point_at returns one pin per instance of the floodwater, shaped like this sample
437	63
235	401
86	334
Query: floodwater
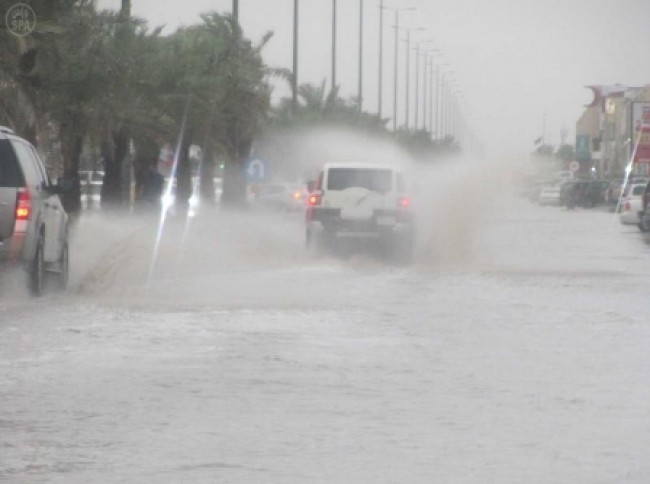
514	350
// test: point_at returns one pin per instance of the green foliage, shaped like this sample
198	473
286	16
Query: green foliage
102	77
319	108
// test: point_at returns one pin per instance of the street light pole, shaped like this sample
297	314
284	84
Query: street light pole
360	55
396	64
431	95
417	85
408	76
381	57
425	91
333	45
294	80
235	10
397	11
408	83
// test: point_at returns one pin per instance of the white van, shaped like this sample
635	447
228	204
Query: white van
363	201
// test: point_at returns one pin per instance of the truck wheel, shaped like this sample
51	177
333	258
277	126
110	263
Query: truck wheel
36	271
64	268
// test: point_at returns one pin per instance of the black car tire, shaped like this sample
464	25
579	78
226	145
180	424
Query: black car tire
64	268
37	270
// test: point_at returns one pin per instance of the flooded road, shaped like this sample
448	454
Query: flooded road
514	352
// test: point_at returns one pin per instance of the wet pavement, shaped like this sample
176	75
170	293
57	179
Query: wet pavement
512	351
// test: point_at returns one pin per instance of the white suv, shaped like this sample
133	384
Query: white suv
33	223
363	201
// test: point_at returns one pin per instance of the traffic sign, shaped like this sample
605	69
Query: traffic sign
574	166
256	170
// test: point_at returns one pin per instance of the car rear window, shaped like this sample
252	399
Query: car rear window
371	179
10	174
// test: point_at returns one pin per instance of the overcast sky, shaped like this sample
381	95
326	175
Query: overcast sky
514	60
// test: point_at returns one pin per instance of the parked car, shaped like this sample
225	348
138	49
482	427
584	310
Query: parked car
644	216
91	188
361	201
613	191
549	195
33	223
581	193
281	196
631	204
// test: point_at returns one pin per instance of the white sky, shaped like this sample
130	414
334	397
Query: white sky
515	60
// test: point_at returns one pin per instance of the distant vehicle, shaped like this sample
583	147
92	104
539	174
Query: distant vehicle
581	193
564	175
631	207
613	191
281	196
33	223
549	195
361	201
644	216
91	188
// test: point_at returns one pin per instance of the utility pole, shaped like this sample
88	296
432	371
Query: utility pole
360	55
408	71
333	45
294	80
381	57
396	65
397	11
431	105
417	86
235	10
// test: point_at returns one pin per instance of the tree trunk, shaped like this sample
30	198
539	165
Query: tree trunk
234	182
207	176
71	146
184	173
146	154
114	150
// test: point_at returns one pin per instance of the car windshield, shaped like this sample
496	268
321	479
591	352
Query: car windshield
377	180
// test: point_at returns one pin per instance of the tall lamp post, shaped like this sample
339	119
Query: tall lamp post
439	105
294	80
360	55
381	57
235	10
333	45
397	11
417	83
408	77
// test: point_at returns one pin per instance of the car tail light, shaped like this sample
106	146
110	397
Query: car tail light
315	199
23	205
403	202
628	206
23	209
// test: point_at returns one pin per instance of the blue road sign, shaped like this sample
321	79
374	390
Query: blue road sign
256	170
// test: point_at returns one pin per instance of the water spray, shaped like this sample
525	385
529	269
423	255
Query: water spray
167	197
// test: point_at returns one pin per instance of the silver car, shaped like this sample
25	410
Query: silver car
33	223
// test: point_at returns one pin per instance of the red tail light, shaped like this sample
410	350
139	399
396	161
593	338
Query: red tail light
314	199
403	202
628	206
23	205
23	210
